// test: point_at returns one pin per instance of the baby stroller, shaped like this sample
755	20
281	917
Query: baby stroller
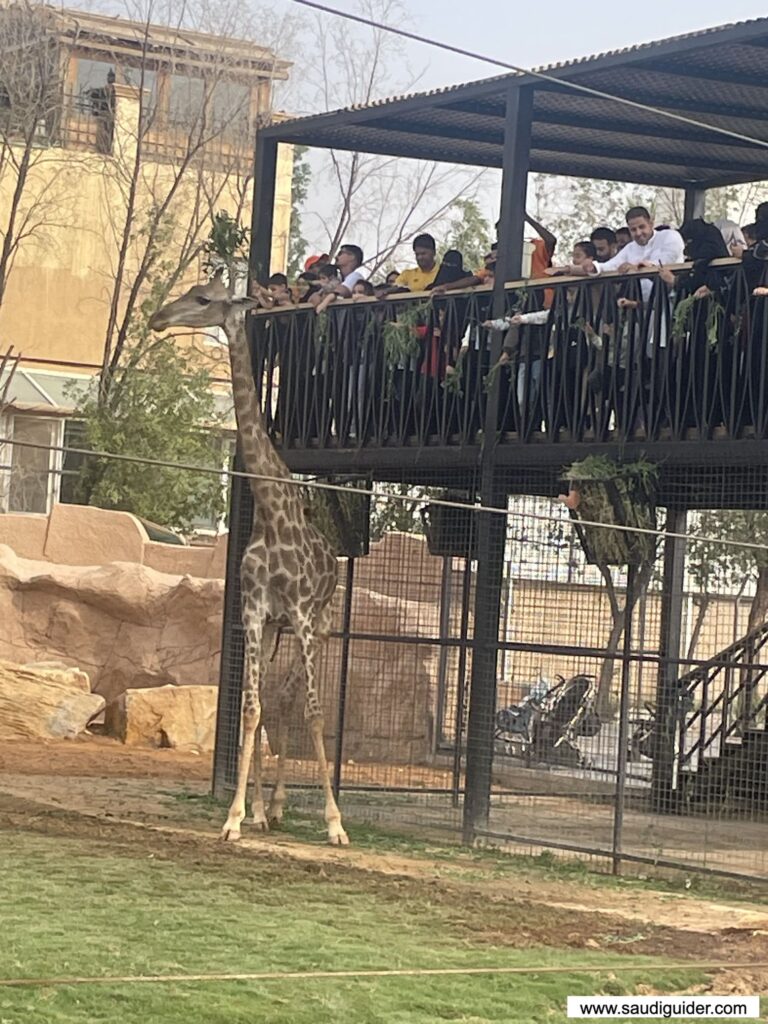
544	726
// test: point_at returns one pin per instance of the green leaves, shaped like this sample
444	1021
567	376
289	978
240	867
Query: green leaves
227	241
161	407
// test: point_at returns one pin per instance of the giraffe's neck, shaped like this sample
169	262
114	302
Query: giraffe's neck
256	446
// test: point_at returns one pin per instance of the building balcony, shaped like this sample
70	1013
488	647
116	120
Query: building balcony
614	364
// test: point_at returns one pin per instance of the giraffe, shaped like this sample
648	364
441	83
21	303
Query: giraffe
288	572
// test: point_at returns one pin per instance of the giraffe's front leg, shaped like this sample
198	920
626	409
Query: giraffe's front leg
336	834
231	831
251	722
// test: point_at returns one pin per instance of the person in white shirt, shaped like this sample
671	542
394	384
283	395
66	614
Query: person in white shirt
349	260
649	248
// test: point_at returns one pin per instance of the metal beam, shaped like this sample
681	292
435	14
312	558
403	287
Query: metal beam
682	106
709	75
292	131
514	184
617	126
662	776
492	527
229	700
726	163
263	212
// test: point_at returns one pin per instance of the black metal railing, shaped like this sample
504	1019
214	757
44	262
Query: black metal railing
721	701
614	358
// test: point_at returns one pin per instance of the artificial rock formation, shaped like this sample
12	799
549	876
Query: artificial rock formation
45	701
126	625
181	717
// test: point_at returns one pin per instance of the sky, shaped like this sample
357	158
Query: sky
527	34
530	34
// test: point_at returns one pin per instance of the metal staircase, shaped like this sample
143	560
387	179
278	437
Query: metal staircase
721	722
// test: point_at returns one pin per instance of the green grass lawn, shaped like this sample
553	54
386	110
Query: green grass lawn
132	907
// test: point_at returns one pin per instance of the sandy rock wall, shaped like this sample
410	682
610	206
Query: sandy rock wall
45	702
126	625
131	627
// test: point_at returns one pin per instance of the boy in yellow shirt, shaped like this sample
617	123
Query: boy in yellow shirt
420	277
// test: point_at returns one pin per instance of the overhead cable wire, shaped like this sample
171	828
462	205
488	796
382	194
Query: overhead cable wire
406	972
407	499
543	75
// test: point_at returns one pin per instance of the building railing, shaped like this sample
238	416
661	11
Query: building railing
86	121
612	358
81	121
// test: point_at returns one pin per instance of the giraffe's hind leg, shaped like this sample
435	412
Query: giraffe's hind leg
314	715
254	627
289	689
258	811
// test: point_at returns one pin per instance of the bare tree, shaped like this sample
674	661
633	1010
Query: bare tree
175	167
383	200
31	115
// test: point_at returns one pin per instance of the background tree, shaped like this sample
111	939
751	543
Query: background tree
31	115
469	231
300	182
164	206
377	202
572	207
388	515
161	407
715	566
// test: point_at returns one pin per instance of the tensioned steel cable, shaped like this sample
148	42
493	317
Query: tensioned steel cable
411	972
408	499
545	76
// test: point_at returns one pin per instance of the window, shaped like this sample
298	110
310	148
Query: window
147	82
230	104
92	74
185	99
74	437
32	469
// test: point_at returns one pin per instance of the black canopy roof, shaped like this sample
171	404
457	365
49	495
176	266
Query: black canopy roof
718	76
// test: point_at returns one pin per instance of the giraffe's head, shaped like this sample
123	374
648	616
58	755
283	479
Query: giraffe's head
204	305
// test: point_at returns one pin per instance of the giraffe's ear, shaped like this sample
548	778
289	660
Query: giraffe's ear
218	274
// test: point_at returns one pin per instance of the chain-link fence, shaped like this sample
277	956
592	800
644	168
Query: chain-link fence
584	673
628	712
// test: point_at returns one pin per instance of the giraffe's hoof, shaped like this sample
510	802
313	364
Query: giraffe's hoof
338	838
261	824
275	815
230	835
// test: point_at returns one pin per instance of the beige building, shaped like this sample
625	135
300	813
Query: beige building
144	115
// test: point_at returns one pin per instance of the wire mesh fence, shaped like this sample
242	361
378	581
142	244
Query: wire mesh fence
555	674
630	735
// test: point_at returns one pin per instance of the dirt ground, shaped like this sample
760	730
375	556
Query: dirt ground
97	789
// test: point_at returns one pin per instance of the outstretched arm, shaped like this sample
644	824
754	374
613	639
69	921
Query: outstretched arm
549	239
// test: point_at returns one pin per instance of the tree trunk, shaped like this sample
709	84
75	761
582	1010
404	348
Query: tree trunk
605	678
701	613
758	611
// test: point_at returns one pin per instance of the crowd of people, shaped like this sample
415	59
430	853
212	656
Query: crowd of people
596	330
637	245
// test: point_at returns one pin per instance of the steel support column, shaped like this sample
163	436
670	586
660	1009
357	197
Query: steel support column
669	668
491	526
514	185
695	200
341	714
263	213
626	677
228	709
